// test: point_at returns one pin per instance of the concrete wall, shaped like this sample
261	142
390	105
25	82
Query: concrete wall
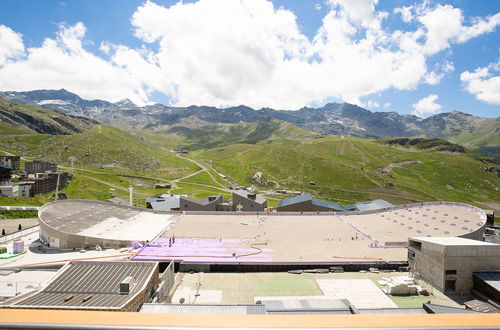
427	263
63	240
190	205
433	260
306	206
248	205
145	293
58	239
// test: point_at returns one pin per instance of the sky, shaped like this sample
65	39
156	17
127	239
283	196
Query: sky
411	57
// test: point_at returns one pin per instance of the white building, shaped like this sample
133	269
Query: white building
10	190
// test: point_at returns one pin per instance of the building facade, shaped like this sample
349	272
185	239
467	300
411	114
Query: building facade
448	262
208	204
306	203
5	173
45	183
39	167
11	161
248	202
9	190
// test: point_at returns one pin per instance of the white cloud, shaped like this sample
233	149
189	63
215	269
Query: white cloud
483	84
372	104
318	6
11	44
64	63
405	12
426	106
226	52
434	77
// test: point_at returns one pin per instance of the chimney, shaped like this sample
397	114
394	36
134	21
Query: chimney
126	285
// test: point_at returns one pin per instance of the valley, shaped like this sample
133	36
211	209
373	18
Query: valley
268	154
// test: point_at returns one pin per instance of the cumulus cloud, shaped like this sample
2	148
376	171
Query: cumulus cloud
483	84
64	63
434	77
426	106
226	52
11	44
372	104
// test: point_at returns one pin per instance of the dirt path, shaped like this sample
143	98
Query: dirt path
203	169
494	206
208	186
388	168
188	176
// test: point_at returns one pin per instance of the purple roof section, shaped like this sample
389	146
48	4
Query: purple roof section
206	250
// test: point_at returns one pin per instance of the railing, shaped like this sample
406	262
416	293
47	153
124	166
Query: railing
19	208
13	288
19	234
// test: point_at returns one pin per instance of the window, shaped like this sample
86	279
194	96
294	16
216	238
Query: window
449	285
416	245
450	272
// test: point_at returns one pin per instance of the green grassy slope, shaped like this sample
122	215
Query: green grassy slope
209	135
486	139
10	129
347	170
34	119
104	147
343	170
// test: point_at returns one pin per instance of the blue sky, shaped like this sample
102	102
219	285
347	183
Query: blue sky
409	57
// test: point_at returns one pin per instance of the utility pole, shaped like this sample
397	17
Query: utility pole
57	185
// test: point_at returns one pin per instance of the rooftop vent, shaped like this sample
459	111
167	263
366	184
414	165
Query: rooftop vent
252	196
126	285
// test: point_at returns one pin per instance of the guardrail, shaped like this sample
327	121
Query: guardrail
19	234
19	208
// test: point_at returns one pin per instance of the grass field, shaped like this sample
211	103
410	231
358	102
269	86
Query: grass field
347	170
243	288
339	169
286	285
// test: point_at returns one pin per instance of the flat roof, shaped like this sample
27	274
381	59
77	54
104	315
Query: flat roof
453	241
334	237
89	285
203	309
104	220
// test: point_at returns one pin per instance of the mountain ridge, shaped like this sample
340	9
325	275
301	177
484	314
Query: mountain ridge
333	118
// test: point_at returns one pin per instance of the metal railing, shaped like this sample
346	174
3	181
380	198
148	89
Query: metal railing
18	234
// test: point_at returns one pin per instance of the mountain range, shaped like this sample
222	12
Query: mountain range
480	134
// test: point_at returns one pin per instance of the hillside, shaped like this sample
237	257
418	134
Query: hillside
17	118
425	144
103	147
480	134
352	169
202	135
267	153
484	139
